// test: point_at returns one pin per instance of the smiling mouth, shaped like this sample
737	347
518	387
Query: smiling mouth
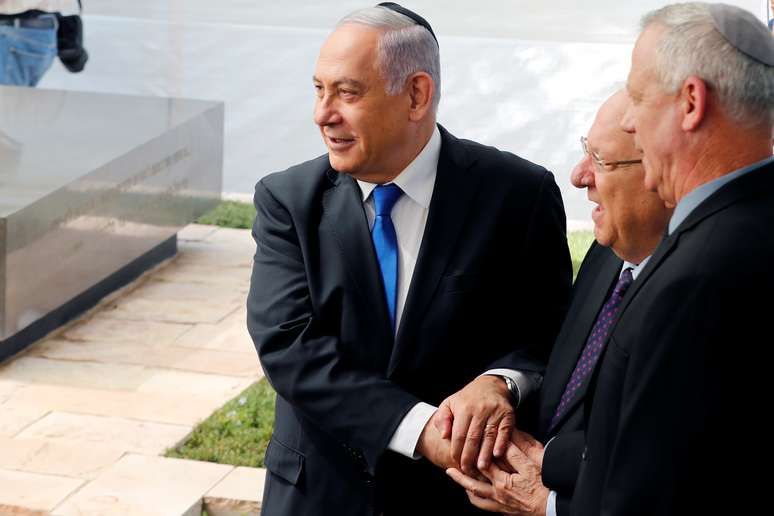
597	212
340	142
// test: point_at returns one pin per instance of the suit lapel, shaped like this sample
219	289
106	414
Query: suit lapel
574	337
452	197
756	182
343	216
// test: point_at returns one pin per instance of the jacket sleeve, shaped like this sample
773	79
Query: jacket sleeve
561	462
545	271
300	357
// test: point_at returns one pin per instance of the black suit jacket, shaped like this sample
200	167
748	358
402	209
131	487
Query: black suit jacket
489	290
561	462
685	375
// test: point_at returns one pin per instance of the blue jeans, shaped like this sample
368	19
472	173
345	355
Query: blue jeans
26	53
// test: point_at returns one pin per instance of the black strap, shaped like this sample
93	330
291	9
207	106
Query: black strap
392	6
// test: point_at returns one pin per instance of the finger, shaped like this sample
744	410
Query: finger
459	434
486	504
503	465
472	444
442	419
492	472
523	440
507	425
516	458
477	487
487	445
502	481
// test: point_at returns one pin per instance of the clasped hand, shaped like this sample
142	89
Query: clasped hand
472	435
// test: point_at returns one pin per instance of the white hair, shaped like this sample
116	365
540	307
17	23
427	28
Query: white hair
692	45
404	48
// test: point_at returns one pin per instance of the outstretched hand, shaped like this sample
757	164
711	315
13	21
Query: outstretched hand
478	419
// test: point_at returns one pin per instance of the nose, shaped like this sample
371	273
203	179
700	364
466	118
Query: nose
582	175
325	112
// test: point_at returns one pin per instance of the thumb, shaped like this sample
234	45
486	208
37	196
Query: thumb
442	420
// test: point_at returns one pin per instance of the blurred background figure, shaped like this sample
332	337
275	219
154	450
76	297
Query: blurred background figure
28	38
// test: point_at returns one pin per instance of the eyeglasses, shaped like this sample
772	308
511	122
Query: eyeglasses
602	162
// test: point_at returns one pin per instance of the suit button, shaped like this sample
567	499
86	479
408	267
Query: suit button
585	453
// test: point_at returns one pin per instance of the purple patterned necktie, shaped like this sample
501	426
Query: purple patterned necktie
594	345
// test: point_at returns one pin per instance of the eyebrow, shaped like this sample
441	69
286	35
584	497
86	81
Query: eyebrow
346	81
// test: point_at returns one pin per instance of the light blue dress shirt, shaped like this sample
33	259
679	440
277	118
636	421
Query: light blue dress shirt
691	201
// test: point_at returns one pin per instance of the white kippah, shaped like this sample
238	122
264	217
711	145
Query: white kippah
744	31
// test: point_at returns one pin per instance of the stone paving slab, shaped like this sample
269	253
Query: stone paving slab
230	334
229	363
84	411
101	328
237	278
75	460
238	239
127	377
8	388
196	232
172	310
126	434
222	256
13	510
33	491
15	418
164	407
142	485
240	493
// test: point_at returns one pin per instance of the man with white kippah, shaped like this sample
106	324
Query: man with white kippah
28	38
684	380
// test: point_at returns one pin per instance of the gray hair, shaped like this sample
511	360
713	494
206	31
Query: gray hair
692	45
404	48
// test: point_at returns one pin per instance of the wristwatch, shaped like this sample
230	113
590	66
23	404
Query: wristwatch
513	389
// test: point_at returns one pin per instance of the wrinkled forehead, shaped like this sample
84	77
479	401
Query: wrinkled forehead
644	55
350	50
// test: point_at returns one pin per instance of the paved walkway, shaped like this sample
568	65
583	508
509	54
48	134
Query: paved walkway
86	412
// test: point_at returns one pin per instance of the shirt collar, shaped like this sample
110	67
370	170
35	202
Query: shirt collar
636	268
418	178
694	198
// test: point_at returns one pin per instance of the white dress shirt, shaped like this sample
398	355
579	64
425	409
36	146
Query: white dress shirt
20	6
409	216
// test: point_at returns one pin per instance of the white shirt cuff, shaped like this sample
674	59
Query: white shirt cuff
526	382
551	504
406	436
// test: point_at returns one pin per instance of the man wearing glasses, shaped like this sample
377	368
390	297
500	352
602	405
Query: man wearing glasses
628	224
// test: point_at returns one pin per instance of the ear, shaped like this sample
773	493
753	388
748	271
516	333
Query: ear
693	102
421	92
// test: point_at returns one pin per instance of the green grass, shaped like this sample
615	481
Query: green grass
579	242
230	214
235	434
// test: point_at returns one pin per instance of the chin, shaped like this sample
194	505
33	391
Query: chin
341	165
602	237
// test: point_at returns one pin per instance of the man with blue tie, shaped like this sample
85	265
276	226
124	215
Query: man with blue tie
391	272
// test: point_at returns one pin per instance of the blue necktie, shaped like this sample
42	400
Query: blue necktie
386	242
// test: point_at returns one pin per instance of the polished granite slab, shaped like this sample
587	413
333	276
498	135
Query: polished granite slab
89	184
